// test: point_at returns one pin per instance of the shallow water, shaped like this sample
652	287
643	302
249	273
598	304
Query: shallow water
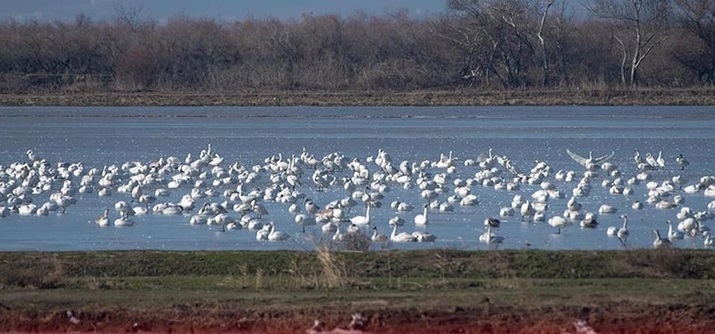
104	136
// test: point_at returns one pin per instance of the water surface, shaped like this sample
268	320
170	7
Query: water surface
99	137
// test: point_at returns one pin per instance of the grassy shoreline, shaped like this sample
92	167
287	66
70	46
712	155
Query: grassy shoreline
639	291
467	97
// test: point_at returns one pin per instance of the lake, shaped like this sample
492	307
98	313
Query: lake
98	138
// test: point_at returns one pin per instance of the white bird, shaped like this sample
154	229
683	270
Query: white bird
674	234
606	209
123	221
589	220
274	235
650	159
378	237
611	231
397	220
659	241
401	237
422	220
623	232
708	242
362	220
423	236
103	220
558	222
305	220
338	236
489	238
329	227
527	210
659	160
590	163
263	233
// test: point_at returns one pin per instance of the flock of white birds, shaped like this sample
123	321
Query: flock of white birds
232	196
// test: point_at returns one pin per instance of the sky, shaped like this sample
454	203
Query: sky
67	10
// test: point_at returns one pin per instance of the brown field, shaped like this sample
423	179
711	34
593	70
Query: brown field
468	97
438	291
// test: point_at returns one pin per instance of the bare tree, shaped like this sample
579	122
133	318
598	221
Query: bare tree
642	26
128	13
539	34
698	17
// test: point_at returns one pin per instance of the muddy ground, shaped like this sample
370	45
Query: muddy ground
617	317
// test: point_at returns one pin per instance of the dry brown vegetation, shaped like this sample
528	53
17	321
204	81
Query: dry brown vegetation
468	97
499	46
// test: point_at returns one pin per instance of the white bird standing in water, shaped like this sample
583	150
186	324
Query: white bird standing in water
623	232
558	222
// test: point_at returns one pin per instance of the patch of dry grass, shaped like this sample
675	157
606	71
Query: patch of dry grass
594	95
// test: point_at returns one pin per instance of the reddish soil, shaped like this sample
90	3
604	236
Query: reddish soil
620	317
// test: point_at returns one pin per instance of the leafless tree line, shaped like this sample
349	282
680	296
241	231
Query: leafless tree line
490	44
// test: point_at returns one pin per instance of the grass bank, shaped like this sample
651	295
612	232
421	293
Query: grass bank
466	97
399	291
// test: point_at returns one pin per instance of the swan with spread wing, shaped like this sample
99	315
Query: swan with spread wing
590	163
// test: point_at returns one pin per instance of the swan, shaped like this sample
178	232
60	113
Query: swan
527	210
623	232
362	220
506	211
611	231
274	235
123	221
708	242
423	236
401	237
263	233
589	220
338	236
199	219
674	234
258	208
421	220
590	163
378	237
305	220
329	227
489	238
352	228
103	220
607	209
559	223
659	160
659	241
650	159
397	220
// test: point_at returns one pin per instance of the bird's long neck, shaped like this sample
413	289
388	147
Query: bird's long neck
625	222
